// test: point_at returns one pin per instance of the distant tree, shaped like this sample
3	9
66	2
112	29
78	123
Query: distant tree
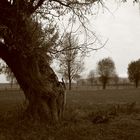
22	50
91	77
10	76
25	46
106	70
0	67
116	80
71	64
4	69
134	72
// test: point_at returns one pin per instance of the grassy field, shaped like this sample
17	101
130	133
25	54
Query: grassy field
90	115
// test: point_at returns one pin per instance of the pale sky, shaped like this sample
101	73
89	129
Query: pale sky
122	27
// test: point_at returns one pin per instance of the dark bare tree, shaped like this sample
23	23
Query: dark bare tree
71	64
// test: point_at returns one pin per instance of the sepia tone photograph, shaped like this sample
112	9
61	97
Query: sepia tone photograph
69	70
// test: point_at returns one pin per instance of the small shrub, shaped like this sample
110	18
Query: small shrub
98	117
126	108
106	114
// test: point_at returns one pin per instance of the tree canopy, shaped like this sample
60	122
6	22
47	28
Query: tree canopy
106	70
25	44
134	72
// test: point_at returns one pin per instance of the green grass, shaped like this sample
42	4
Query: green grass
89	115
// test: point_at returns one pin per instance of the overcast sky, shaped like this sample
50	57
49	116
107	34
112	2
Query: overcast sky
122	27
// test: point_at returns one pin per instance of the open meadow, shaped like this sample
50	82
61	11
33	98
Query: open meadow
89	115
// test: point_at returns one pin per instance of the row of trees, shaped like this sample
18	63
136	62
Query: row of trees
106	71
71	67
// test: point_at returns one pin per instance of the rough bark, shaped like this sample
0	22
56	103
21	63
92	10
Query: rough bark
104	85
27	60
136	83
104	81
39	83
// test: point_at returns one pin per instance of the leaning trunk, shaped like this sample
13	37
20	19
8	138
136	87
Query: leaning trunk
104	85
136	83
105	81
22	52
38	81
11	82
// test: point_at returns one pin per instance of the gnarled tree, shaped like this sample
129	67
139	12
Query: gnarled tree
21	49
71	63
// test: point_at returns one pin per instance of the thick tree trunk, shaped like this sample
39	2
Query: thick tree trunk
38	81
136	83
22	52
104	85
104	82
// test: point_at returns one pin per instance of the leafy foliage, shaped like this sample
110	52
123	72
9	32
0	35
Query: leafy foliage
134	71
106	70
